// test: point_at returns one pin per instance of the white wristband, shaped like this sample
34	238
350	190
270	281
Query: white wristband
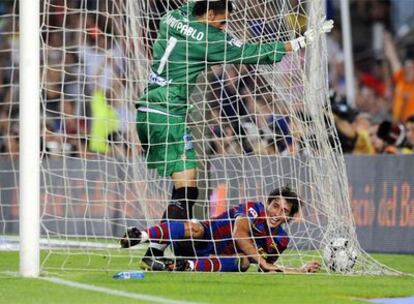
295	45
298	43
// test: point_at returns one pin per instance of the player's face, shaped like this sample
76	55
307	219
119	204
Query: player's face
410	132
278	212
217	20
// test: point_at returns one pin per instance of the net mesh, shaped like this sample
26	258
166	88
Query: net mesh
256	127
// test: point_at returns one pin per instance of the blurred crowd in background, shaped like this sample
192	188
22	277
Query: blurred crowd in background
381	119
84	101
82	63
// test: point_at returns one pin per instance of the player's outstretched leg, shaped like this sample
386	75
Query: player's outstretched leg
181	265
180	208
131	237
211	264
161	234
134	237
156	264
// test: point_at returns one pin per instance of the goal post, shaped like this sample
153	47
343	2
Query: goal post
29	206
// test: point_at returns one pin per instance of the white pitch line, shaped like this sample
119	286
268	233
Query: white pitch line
131	295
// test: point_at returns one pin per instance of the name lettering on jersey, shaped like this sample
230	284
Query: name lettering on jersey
155	79
236	42
183	28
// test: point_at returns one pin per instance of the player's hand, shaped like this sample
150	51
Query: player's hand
311	266
325	26
266	267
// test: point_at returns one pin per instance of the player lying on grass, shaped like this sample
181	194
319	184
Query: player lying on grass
248	233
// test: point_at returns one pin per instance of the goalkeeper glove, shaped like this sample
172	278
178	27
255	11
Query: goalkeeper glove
310	35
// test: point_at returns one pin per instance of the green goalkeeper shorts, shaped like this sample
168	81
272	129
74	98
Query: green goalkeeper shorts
167	142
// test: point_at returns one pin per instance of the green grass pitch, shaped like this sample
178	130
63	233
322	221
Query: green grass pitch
198	287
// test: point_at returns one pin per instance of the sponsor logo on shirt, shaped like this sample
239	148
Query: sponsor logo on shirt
253	213
183	28
188	142
236	42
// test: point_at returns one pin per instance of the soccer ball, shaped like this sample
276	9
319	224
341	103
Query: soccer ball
339	255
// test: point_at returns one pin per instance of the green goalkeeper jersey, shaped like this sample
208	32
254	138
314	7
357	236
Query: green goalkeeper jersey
184	48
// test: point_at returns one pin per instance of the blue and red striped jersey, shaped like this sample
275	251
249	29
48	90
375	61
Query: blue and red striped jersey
219	229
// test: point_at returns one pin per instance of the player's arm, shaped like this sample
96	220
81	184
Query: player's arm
324	26
229	49
311	266
391	53
246	244
308	267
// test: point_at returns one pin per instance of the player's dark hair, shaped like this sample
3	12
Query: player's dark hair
220	6
410	119
289	195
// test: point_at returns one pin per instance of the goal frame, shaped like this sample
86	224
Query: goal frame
29	180
30	129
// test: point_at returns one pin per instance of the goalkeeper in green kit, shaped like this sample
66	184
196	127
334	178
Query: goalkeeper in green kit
190	39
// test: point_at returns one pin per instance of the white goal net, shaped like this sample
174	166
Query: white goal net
256	127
